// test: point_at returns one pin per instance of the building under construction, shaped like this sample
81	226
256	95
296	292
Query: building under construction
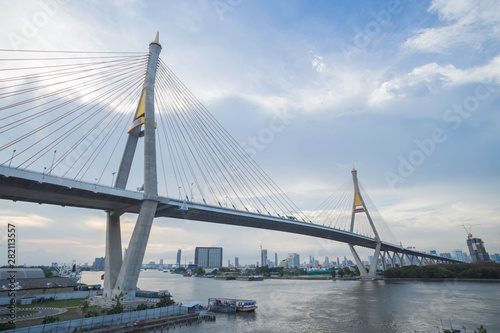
477	251
476	248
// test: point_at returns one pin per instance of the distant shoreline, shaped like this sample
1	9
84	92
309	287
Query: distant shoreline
324	278
435	280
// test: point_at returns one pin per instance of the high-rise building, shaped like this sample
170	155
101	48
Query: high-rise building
228	263
326	263
293	260
445	255
477	251
208	256
161	262
178	261
236	262
459	255
276	259
98	264
263	257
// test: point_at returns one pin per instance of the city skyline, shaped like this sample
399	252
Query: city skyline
404	90
459	254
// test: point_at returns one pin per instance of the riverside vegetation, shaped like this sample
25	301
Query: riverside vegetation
446	271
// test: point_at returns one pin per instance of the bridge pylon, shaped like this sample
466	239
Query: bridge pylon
122	276
359	207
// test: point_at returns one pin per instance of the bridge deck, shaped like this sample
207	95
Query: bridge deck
28	186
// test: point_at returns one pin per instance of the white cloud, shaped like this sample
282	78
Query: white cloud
466	23
429	78
22	219
318	63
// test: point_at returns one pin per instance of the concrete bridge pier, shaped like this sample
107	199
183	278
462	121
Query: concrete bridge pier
126	281
122	276
359	207
113	260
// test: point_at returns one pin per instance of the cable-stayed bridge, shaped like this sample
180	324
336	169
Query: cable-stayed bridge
66	116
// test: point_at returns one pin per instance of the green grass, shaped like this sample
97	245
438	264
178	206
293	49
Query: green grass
54	304
71	314
21	313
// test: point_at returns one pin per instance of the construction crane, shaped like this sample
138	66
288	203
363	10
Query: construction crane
469	233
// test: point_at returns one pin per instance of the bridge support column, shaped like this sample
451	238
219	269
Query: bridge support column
400	259
374	264
384	268
126	279
362	269
358	206
129	272
391	259
113	259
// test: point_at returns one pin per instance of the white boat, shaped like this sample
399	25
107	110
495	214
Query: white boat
231	305
246	305
72	271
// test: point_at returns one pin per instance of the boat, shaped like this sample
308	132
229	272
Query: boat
73	272
86	287
224	277
231	305
152	294
246	305
245	278
250	278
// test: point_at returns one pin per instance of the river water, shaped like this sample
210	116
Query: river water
336	306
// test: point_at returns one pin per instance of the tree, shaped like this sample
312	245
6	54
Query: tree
50	319
7	326
347	271
85	306
481	329
141	306
91	313
118	307
165	301
180	270
199	271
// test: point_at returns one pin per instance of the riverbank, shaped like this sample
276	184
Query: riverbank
323	278
442	280
301	277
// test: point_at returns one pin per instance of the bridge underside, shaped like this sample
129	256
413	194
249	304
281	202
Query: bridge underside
27	186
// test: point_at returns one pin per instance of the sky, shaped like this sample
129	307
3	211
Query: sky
407	91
